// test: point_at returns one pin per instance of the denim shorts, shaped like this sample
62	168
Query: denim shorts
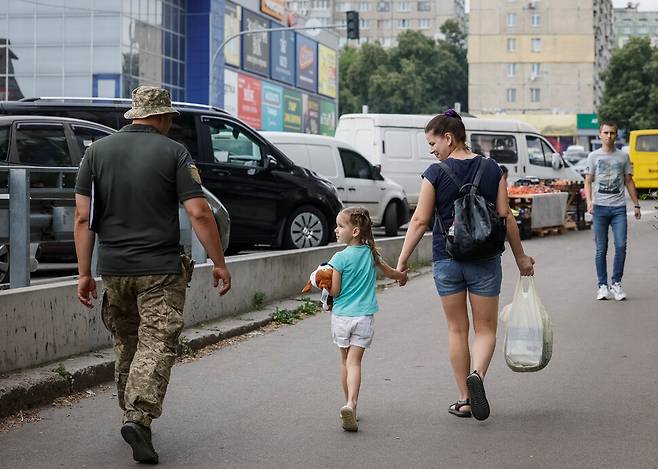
481	277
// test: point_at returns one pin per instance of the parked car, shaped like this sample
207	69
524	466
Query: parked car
358	182
397	143
580	167
56	143
575	153
270	200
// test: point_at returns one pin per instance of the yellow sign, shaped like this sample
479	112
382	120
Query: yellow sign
274	8
327	71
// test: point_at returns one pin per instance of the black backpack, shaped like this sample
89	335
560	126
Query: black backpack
478	232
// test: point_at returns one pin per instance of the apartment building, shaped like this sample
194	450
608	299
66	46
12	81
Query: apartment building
538	56
383	20
630	22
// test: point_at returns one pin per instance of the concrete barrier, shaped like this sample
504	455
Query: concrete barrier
46	323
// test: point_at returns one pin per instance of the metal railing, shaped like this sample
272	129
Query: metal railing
19	216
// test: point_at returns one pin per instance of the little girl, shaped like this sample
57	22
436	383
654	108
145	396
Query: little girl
354	290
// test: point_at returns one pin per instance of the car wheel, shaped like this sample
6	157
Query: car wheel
4	263
391	219
307	227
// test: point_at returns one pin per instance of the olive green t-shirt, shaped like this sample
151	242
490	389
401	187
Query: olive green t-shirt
139	178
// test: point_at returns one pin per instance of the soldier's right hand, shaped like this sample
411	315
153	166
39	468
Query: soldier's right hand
86	286
221	274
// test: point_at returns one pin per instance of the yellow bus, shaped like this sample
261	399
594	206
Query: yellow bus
644	158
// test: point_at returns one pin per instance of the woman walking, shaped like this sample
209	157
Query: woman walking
458	282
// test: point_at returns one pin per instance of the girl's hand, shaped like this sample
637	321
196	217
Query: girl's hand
525	264
403	277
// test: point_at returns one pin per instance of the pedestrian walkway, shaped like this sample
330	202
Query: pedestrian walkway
273	400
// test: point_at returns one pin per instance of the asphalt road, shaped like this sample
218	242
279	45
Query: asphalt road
273	400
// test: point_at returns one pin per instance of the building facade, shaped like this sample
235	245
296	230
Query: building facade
525	57
629	22
106	48
382	20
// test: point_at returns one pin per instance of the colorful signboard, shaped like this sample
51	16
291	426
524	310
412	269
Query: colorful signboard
231	92
232	17
283	56
292	111
326	71
249	100
327	117
274	8
255	47
311	107
272	107
307	64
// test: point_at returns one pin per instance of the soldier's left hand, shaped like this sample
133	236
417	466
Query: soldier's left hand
87	286
221	273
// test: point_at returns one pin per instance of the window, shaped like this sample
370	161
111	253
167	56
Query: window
85	136
536	69
364	6
511	19
355	165
384	24
511	45
183	130
403	6
511	95
424	23
42	145
535	95
535	20
424	6
231	145
642	30
540	153
647	143
403	24
535	44
627	30
297	153
511	70
363	24
501	148
4	143
383	6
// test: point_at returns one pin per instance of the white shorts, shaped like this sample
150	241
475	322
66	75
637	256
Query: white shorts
353	330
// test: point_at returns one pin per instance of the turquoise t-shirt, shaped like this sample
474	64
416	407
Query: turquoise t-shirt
357	295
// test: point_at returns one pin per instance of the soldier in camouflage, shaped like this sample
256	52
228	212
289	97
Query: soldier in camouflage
128	189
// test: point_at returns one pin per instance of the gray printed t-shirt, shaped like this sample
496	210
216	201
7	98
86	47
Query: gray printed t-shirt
608	171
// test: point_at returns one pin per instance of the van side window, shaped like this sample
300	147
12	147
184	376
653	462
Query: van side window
4	143
355	165
42	145
230	145
536	155
499	147
183	130
85	136
647	143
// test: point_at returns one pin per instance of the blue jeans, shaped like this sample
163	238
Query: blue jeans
603	218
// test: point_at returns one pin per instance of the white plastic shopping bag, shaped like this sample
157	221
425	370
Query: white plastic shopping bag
528	329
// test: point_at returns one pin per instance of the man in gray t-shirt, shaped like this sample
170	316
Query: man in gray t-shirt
608	173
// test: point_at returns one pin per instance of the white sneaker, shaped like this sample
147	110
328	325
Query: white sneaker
618	292
604	293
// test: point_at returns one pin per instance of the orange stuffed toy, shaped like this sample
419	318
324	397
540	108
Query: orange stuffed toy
321	278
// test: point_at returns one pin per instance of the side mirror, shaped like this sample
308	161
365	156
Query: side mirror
556	162
270	162
377	171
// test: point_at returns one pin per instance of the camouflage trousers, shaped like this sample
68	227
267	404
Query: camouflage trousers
145	316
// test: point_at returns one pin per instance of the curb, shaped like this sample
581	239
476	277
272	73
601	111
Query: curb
34	387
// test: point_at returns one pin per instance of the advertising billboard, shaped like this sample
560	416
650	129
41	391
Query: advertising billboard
282	55
311	106
232	17
327	117
272	114
307	63
231	92
255	47
274	8
249	100
292	111
327	71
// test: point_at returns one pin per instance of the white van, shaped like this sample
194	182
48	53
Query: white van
358	182
397	143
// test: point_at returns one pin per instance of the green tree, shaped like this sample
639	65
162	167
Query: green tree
631	89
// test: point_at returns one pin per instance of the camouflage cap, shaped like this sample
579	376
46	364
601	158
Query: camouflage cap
150	101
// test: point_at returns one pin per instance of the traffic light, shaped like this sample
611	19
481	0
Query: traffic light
352	25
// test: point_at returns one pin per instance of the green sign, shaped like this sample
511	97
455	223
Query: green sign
587	121
292	111
327	117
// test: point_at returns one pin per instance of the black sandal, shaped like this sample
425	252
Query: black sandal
454	408
480	405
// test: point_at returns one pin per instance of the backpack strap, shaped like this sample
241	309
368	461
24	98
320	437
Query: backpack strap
478	176
450	173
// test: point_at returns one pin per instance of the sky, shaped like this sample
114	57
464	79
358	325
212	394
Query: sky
646	5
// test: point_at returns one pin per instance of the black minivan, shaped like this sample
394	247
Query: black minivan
270	200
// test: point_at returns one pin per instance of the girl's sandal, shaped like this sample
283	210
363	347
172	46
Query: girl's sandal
454	409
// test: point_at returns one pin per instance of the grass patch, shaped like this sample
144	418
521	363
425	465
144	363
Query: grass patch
61	370
290	316
184	347
259	300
